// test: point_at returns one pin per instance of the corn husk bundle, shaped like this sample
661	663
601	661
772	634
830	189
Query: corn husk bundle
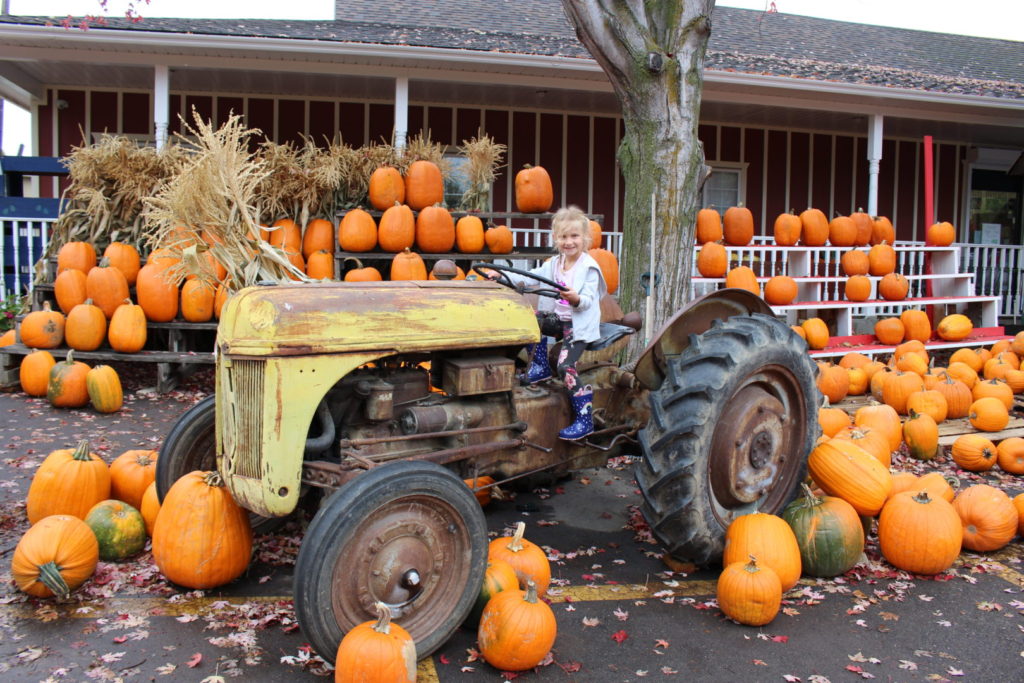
212	204
484	158
108	184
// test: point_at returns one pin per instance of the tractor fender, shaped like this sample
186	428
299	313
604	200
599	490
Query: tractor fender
693	319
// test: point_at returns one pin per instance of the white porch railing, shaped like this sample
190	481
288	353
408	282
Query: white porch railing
22	242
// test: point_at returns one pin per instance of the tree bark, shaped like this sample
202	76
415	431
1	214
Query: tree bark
653	54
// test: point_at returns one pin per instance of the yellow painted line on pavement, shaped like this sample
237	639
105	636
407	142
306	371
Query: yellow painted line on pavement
594	593
1010	552
425	671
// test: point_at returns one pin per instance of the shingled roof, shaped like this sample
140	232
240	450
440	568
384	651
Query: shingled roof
745	41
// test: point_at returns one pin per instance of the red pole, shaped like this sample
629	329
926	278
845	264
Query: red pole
929	216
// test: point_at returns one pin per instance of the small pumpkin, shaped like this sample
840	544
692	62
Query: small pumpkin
286	235
1010	455
42	329
709	226
499	576
749	592
319	265
68	482
780	290
408	265
712	260
596	236
131	473
988	516
919	533
828	533
832	420
893	287
104	388
916	324
854	262
67	386
844	469
69	289
897	390
940	234
834	383
957	394
890	331
127	331
988	414
197	301
929	402
814	227
770	539
86	327
386	187
533	190
150	507
817	333
517	630
54	557
842	232
864	224
360	273
469	235
858	378
858	288
527	559
107	287
921	434
786	229
77	255
875	442
376	651
499	239
34	372
969	357
319	234
1018	502
202	538
119	529
157	296
424	185
996	388
882	230
125	258
974	453
482	488
954	327
881	260
963	373
609	265
357	231
397	229
738	226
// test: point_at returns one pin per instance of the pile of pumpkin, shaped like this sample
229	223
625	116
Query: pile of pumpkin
922	522
82	511
911	325
812	229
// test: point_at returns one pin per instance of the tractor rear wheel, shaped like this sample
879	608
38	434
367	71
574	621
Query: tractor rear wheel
729	433
409	534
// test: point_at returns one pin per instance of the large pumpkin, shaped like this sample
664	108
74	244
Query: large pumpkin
609	265
814	228
69	288
709	226
828	533
54	557
528	560
499	239
34	372
397	229
842	232
376	651
435	230
197	301
131	473
919	533
424	185
749	592
125	258
86	326
42	329
712	260
68	482
119	529
67	386
77	255
157	296
104	388
386	188
988	516
974	452
742	277
738	226
202	538
357	231
916	324
770	539
469	235
127	331
874	441
319	234
786	229
954	327
408	265
988	414
780	290
107	287
957	394
516	630
534	193
844	469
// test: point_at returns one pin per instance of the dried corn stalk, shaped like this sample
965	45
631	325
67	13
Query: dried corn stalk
484	157
212	205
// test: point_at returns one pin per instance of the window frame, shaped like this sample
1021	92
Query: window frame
734	167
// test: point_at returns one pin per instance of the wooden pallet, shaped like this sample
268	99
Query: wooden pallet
949	430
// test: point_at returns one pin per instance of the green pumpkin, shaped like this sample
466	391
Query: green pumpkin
119	529
828	531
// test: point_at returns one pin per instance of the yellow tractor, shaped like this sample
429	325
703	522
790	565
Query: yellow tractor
385	396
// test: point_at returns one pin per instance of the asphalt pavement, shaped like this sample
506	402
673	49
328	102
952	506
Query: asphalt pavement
622	614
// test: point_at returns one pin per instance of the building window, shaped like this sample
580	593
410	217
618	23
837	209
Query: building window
457	181
723	188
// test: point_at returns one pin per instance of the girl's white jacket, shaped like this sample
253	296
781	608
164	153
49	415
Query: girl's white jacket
588	283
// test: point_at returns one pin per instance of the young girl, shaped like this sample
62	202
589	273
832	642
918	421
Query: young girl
575	318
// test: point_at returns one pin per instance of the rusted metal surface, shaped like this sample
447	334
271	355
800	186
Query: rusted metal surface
389	317
695	318
478	375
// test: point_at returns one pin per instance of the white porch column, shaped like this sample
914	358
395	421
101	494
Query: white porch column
161	103
874	157
401	111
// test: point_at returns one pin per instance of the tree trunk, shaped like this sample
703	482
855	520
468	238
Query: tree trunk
653	53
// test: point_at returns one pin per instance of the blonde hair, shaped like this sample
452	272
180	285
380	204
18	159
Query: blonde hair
567	218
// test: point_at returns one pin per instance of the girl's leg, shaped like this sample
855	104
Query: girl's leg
580	397
539	368
567	357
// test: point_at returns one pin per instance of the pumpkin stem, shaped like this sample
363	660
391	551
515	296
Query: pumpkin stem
50	576
213	479
751	566
922	496
82	451
516	544
383	624
809	497
70	359
953	482
531	592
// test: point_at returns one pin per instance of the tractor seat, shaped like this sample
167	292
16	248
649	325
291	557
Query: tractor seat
610	333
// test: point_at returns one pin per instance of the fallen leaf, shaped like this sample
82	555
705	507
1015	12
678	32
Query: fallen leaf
954	672
591	621
621	614
619	636
195	660
780	639
908	665
889	616
790	678
661	643
990	606
443	659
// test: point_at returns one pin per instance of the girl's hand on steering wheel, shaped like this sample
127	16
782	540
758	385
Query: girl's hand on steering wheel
572	296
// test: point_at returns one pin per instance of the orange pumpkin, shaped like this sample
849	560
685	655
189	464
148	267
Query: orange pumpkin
150	507
768	538
359	273
131	473
780	290
845	470
125	258
929	402
86	327
787	229
376	651
988	516
157	296
54	557
814	228
387	187
963	372
435	230
197	301
424	185
738	226
609	265
919	533
854	262
408	265
34	372
921	434
882	230
858	381
743	277
842	232
104	387
67	387
42	329
534	193
749	593
319	234
516	630
358	232
320	265
864	224
940	234
858	288
834	383
127	331
916	324
833	420
974	453
528	560
988	414
220	298
995	388
890	331
853	359
897	390
957	394
68	482
893	287
712	260
881	259
397	229
1010	455
469	235
875	442
955	327
69	289
78	255
499	239
816	332
596	238
709	226
287	235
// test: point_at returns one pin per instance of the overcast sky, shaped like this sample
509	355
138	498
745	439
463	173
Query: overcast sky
987	18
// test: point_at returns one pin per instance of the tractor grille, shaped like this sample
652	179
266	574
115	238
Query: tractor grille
245	419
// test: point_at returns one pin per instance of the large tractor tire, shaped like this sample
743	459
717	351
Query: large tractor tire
730	430
409	534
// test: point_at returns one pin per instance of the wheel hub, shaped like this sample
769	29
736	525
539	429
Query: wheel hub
400	562
749	447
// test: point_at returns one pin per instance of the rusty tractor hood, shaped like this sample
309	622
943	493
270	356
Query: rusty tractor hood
344	317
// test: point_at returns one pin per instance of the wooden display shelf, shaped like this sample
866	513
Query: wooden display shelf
870	346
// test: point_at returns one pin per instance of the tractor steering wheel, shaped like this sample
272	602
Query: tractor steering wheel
555	291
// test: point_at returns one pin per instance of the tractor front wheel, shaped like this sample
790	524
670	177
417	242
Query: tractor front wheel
408	534
729	433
